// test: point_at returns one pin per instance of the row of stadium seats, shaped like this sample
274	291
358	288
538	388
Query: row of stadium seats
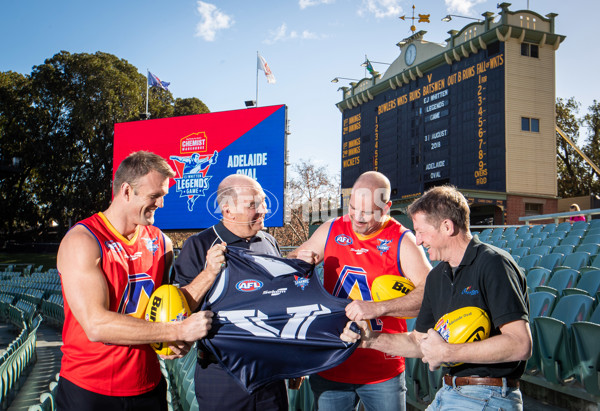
47	398
53	310
15	366
564	281
565	340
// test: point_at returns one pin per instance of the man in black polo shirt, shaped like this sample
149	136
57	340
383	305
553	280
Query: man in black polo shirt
242	203
470	273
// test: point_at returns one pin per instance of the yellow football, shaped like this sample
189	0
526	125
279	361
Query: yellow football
166	304
388	287
464	325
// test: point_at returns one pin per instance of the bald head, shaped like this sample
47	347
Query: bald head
375	182
232	185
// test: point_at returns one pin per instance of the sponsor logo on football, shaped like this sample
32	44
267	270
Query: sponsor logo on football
383	245
470	291
359	251
249	285
275	293
301	282
343	239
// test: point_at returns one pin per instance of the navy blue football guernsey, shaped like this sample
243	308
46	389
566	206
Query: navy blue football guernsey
273	320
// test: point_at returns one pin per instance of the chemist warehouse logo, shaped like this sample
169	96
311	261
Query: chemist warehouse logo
193	169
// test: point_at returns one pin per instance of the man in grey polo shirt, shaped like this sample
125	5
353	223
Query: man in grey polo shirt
242	203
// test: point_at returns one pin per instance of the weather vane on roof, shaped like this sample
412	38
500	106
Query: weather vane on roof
423	18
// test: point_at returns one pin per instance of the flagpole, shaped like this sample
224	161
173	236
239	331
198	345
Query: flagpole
147	88
256	78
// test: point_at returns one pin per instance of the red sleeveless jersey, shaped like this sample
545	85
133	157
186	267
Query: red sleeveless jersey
352	261
133	269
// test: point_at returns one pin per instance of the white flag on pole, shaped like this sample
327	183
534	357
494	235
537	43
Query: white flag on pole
262	65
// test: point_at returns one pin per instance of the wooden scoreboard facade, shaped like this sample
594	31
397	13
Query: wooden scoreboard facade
450	114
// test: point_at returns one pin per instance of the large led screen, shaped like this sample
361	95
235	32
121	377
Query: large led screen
205	148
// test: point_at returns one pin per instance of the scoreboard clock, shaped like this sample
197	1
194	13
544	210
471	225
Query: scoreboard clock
444	127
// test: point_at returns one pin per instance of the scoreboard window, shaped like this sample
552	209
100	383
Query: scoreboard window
530	50
444	127
530	124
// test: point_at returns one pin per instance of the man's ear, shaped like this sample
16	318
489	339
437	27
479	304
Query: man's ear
447	227
126	191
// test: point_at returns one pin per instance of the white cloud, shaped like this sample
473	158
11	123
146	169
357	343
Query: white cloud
307	3
281	34
381	8
213	20
463	7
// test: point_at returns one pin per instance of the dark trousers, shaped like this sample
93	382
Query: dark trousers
217	390
72	397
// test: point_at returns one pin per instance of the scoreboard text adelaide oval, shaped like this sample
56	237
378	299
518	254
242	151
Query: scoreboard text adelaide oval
445	127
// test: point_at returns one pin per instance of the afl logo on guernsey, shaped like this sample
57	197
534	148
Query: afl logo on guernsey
249	285
343	239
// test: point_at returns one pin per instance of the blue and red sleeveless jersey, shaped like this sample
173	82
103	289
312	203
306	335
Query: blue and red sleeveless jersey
273	320
133	269
351	263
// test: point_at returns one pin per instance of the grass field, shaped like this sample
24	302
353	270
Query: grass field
48	260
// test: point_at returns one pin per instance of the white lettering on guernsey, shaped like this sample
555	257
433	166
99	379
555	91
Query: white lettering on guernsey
297	326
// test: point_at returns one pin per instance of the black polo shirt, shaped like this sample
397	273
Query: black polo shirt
192	258
488	278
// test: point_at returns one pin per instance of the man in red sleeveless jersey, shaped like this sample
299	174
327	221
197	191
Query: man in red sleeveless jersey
110	263
356	249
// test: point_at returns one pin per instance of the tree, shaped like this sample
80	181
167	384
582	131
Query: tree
573	172
311	197
16	123
60	121
188	106
592	147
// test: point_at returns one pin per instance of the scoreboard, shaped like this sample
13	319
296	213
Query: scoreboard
444	127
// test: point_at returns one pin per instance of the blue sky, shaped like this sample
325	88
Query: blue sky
207	49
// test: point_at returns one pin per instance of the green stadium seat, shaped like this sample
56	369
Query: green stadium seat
586	335
522	230
532	242
549	228
563	249
575	260
541	250
572	240
542	235
537	277
565	227
525	236
590	248
516	243
576	233
519	251
588	284
550	261
541	304
529	261
561	279
535	229
591	238
553	336
581	225
592	231
557	234
303	398
551	241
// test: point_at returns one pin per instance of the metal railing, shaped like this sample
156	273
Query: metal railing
557	216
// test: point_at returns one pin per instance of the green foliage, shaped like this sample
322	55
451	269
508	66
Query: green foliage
59	121
575	176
